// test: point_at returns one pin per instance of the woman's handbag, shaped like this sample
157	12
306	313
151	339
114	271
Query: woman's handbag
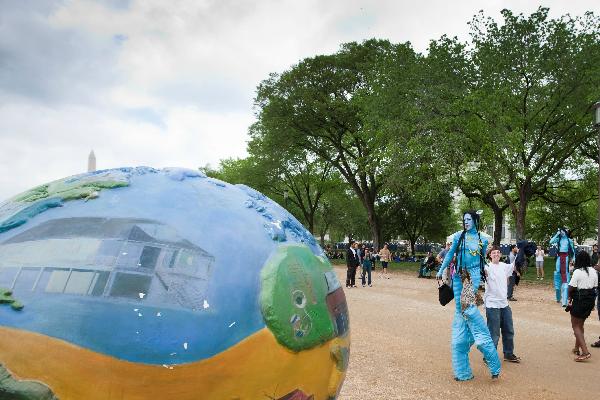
446	294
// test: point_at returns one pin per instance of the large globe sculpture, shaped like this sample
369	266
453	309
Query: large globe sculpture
138	283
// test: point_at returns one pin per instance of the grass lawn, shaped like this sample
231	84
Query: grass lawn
393	266
530	275
549	266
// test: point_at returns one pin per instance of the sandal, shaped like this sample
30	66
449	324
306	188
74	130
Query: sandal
583	357
576	351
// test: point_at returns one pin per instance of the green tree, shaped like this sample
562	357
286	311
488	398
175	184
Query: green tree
299	179
323	105
294	181
417	198
523	105
572	203
342	215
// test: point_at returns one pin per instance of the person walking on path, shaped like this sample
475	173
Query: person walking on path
385	256
512	281
468	326
595	265
497	311
352	262
582	297
566	251
367	264
539	263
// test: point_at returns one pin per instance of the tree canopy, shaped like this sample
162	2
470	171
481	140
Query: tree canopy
377	136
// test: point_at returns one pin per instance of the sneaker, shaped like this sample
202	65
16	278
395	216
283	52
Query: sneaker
512	299
363	285
370	285
462	380
496	376
512	358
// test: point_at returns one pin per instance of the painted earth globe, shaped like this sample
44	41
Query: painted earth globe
138	283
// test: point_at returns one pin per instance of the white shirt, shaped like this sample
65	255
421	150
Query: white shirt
496	285
539	255
581	280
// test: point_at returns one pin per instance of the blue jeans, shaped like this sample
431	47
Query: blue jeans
366	271
500	320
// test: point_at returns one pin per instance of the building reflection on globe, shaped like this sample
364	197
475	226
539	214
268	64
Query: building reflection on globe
137	283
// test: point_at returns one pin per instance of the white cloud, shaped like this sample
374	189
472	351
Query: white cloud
40	144
149	82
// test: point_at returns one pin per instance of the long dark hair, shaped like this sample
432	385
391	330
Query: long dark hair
461	248
583	261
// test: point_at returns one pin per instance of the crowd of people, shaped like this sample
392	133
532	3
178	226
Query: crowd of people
364	259
467	262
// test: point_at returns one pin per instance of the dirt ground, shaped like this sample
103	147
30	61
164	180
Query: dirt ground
401	347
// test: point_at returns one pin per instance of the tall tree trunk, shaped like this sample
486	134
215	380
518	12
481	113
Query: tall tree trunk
498	222
524	196
375	226
311	227
489	199
520	220
309	216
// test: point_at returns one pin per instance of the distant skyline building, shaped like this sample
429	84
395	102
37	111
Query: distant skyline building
91	162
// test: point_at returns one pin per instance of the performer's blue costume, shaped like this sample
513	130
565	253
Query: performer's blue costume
469	326
566	251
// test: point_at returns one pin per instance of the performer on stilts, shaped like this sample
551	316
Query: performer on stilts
468	326
566	252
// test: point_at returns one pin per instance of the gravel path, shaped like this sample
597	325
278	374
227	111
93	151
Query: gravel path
401	347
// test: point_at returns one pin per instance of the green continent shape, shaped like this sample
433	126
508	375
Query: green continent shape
27	205
12	389
70	190
7	298
293	298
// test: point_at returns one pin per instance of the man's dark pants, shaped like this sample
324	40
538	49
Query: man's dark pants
511	285
351	275
500	319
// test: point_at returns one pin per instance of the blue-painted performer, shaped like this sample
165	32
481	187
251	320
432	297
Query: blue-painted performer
468	326
566	252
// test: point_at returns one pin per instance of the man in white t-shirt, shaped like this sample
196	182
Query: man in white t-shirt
497	311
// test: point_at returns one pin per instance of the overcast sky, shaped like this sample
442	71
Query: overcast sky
171	83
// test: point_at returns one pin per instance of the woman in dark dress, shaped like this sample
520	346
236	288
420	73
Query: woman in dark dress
582	296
